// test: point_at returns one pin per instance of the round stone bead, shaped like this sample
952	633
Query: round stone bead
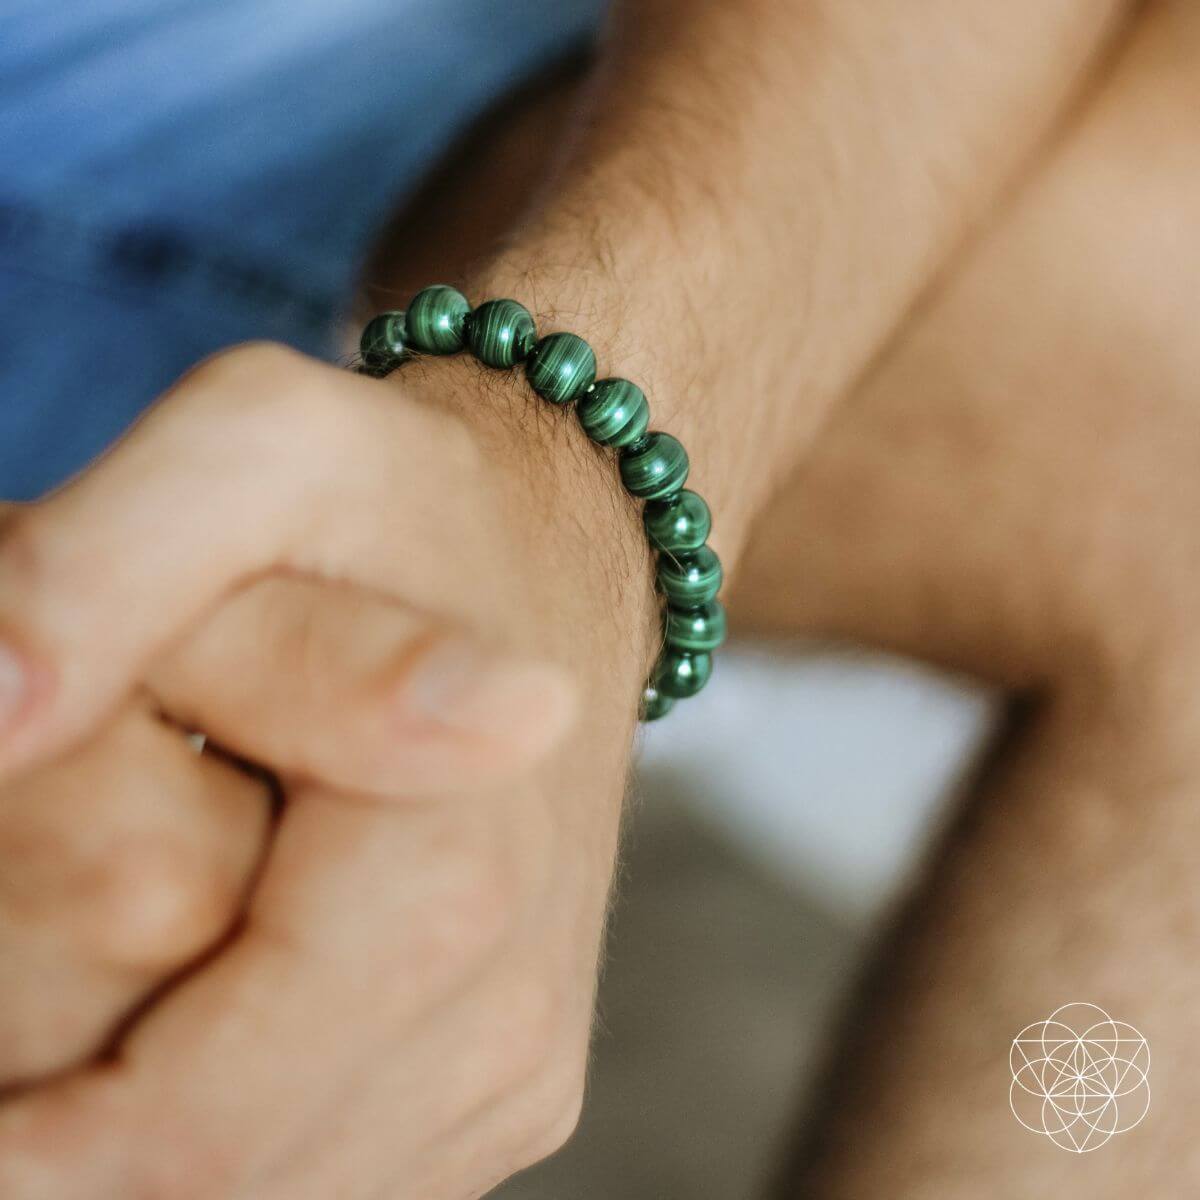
681	523
680	674
690	581
436	320
614	412
561	368
501	333
655	467
384	343
654	704
698	630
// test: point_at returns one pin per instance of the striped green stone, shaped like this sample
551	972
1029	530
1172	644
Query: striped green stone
654	704
654	467
698	630
561	368
680	674
501	333
436	320
691	580
614	412
384	343
681	523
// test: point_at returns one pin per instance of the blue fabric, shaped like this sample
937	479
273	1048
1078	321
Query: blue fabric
180	175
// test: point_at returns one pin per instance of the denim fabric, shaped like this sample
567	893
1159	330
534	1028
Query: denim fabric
180	175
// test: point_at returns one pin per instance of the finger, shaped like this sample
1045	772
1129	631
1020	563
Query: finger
269	1018
335	684
417	1117
118	865
259	459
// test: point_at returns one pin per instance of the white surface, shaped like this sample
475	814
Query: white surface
829	767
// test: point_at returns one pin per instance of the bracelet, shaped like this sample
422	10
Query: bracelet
561	368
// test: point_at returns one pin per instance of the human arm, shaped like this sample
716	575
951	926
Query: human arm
1012	496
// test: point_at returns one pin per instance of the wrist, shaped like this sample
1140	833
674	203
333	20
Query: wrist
649	332
561	369
583	569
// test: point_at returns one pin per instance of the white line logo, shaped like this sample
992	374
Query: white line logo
1079	1077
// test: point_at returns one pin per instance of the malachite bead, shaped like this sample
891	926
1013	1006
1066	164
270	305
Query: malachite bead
501	333
682	523
561	368
680	674
436	320
614	412
698	630
383	344
654	704
692	580
654	467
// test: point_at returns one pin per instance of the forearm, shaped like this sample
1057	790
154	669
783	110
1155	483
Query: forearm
762	190
1038	530
1053	892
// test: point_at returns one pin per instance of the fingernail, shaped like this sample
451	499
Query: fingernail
14	686
457	684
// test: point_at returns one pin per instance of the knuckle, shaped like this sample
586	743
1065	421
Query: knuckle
248	383
156	905
249	361
319	423
283	406
274	392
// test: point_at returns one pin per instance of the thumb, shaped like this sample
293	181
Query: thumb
325	682
259	460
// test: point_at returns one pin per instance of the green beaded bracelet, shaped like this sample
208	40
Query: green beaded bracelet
653	466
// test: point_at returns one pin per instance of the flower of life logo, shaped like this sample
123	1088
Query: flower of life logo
1079	1077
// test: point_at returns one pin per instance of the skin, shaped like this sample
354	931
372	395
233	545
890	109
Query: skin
412	974
98	907
1013	494
495	888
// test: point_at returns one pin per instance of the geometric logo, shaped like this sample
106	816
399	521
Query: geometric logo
1079	1077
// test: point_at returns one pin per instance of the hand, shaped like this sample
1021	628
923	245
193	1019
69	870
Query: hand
419	973
131	857
119	865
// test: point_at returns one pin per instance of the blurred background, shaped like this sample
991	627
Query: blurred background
768	836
